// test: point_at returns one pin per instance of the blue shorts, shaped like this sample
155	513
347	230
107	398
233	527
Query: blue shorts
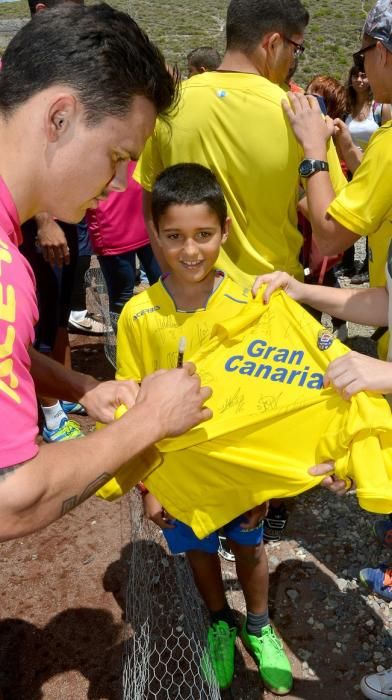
182	538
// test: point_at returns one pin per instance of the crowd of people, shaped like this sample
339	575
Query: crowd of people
210	187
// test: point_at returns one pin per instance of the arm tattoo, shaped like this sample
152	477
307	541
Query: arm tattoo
90	489
9	470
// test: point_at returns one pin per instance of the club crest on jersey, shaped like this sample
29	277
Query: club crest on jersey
324	339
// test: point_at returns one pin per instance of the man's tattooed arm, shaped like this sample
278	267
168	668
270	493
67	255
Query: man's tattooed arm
74	501
6	471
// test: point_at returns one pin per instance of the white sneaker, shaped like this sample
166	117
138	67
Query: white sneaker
224	549
377	686
89	325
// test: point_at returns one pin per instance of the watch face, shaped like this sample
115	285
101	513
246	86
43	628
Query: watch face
306	168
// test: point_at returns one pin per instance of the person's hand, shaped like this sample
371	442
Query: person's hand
338	486
52	241
154	511
254	516
176	399
355	372
306	119
278	280
342	136
103	399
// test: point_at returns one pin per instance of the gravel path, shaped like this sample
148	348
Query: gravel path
333	630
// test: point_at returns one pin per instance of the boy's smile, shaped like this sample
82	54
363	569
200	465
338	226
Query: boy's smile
190	237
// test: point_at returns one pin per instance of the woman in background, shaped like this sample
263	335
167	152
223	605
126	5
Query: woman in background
364	117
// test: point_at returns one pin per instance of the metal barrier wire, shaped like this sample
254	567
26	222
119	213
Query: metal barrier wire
165	653
98	303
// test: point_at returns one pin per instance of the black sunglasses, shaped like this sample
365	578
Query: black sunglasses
298	48
359	57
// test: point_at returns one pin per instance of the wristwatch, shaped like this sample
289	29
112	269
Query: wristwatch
309	166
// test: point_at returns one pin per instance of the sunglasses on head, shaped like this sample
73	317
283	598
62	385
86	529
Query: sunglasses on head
359	57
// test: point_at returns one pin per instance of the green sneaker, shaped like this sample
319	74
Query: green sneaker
67	430
219	658
274	666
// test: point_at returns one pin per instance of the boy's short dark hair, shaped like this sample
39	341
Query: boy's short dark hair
204	57
249	20
97	51
187	183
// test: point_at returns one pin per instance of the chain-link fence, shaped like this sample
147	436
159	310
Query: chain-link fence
165	654
98	303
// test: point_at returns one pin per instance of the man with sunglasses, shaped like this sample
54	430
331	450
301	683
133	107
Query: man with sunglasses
363	208
231	121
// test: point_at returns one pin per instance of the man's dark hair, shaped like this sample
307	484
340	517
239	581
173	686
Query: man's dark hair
97	51
204	57
249	20
187	183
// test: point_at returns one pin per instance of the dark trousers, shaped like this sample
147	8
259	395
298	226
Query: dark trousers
119	272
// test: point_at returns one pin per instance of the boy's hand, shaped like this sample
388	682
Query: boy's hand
310	128
153	511
278	280
355	372
337	486
175	399
254	516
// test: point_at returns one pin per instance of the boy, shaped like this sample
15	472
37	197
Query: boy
190	217
202	59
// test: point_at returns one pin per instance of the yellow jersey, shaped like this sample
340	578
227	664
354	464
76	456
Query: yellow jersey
272	417
233	123
150	327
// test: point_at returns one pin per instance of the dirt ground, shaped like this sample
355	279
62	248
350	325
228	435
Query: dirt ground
62	626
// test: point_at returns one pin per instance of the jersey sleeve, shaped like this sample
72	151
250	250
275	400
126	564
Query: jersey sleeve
149	164
365	202
129	348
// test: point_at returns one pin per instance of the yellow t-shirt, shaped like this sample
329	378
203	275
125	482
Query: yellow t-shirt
364	206
272	418
150	327
234	124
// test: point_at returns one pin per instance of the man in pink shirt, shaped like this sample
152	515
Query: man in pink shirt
78	86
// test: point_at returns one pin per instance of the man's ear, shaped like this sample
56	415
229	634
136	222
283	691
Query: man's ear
226	229
270	41
60	116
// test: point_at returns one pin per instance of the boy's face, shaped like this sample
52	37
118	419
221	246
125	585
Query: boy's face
190	237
